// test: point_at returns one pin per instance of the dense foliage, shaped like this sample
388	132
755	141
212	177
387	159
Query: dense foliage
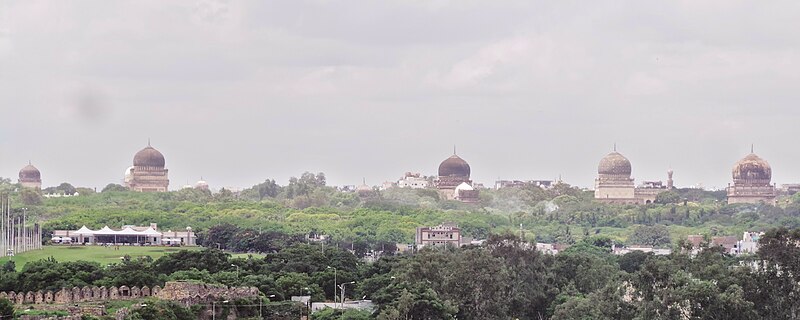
506	278
263	214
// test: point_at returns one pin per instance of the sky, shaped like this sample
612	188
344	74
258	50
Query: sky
238	92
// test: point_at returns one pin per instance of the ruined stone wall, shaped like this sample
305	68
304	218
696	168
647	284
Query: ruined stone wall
188	293
75	295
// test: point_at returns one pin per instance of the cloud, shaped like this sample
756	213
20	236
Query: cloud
527	89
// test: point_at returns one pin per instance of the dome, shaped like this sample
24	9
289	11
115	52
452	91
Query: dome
464	187
454	166
29	173
614	164
201	184
128	174
752	168
149	157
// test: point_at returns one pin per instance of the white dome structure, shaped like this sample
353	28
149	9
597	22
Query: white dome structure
128	175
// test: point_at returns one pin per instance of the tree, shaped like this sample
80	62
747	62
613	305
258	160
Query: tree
113	187
632	261
66	188
668	197
657	235
30	197
220	236
6	309
162	310
267	188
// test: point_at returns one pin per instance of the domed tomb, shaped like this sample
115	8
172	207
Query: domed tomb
148	173
614	183
751	181
30	177
453	171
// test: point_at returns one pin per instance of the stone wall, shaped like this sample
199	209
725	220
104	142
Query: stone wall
76	294
188	293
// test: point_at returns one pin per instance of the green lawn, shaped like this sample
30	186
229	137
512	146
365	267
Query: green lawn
102	255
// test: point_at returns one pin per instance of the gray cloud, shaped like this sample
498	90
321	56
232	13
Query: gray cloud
242	91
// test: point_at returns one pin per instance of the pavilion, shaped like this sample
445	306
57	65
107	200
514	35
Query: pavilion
127	235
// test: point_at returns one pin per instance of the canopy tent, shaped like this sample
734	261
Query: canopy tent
84	230
151	232
127	235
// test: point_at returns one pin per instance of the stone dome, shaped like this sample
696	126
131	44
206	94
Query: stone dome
614	164
149	157
30	173
752	169
454	166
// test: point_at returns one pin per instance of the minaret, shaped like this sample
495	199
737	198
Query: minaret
669	179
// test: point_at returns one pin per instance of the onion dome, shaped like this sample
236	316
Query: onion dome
454	166
30	173
614	164
149	157
752	169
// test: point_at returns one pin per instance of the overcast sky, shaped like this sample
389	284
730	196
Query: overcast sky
238	92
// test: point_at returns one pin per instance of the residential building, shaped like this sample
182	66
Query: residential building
446	234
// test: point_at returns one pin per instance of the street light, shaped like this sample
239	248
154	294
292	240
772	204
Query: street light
308	304
334	284
214	309
341	286
237	270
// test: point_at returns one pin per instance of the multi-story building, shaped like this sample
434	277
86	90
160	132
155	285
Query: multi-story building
446	234
413	180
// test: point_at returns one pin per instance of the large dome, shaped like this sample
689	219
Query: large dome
614	164
454	167
149	157
752	168
29	173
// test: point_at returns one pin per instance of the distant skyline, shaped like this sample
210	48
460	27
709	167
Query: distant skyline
238	92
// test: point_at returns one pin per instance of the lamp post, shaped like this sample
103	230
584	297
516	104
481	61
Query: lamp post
334	284
237	270
341	286
214	309
308	304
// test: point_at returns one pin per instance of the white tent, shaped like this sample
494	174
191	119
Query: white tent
84	230
151	232
128	231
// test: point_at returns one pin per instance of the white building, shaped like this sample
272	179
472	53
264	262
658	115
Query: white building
127	235
413	181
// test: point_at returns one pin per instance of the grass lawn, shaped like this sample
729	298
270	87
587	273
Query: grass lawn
99	254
